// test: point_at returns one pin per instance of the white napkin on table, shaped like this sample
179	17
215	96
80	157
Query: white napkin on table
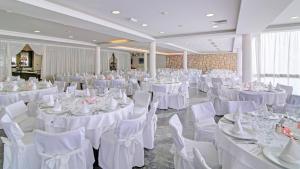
57	106
291	152
84	109
33	86
124	98
87	92
237	128
112	104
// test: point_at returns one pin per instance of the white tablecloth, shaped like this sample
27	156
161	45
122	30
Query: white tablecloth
7	98
94	124
169	87
233	155
269	97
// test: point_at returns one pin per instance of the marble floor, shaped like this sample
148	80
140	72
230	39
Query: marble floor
160	157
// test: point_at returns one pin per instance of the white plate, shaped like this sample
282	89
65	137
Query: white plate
230	118
272	154
248	135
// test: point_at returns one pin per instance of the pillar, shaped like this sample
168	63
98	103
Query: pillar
98	61
153	59
247	58
145	62
184	60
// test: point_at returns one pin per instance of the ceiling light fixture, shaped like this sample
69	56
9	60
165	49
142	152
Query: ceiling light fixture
144	25
164	13
210	15
133	19
71	36
179	26
161	32
8	11
115	12
119	41
94	40
294	17
215	26
37	31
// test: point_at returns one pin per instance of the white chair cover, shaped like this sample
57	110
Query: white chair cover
184	155
33	109
69	150
160	93
18	113
8	99
204	123
240	106
19	152
199	161
288	89
295	100
123	148
141	102
150	127
179	100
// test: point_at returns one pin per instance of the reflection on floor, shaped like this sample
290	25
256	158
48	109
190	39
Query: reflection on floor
160	157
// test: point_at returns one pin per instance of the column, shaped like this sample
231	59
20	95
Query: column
184	60
153	59
239	61
145	62
98	61
247	58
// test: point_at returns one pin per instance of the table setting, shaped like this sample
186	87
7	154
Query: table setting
260	139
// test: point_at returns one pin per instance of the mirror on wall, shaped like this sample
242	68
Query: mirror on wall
26	63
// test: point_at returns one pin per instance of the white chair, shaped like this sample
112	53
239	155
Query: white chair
161	93
118	83
178	100
18	113
76	81
295	100
141	102
132	86
61	85
255	97
288	90
71	89
19	150
199	160
183	153
150	127
204	123
68	150
101	85
123	148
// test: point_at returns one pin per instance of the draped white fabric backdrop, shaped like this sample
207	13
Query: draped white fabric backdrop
277	58
60	59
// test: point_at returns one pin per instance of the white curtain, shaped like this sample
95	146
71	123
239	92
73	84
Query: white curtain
277	58
67	59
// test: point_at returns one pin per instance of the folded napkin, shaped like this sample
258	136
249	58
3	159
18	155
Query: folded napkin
33	86
87	92
238	128
120	94
84	108
124	98
270	87
12	87
57	106
112	104
291	152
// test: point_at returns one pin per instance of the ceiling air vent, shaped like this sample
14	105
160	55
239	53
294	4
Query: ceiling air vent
224	21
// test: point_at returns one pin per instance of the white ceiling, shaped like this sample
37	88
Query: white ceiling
92	19
285	17
190	14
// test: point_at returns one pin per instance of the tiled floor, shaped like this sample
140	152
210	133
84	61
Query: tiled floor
160	157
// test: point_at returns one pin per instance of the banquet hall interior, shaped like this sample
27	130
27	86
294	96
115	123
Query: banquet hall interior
150	84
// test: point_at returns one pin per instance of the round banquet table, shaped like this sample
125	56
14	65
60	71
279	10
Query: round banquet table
234	154
169	87
96	122
7	98
274	97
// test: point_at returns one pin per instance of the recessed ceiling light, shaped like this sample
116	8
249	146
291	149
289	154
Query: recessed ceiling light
210	14
133	19
115	12
37	31
180	26
94	40
215	26
161	32
144	25
294	17
71	36
164	13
